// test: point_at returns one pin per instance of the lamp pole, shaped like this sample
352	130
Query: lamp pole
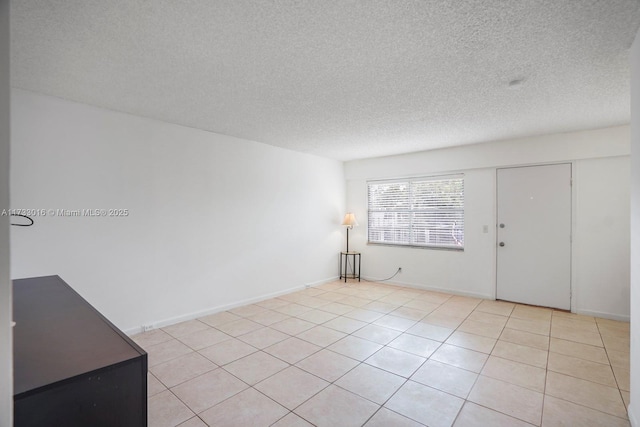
348	237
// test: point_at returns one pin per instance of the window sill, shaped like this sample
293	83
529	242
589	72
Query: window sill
439	248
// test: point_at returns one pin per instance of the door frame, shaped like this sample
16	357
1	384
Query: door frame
574	175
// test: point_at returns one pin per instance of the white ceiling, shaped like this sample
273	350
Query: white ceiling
345	79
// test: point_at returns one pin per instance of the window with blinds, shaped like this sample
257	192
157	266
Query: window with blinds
426	212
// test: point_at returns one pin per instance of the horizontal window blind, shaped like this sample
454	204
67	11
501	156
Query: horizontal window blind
417	212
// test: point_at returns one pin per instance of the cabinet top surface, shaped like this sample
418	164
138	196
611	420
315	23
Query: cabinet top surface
58	335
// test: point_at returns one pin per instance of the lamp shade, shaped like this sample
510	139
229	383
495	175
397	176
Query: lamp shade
349	220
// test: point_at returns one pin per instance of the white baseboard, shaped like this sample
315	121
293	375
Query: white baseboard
194	315
432	288
619	317
323	281
601	314
207	312
632	417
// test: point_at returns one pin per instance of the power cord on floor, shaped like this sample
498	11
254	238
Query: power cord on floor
384	280
372	281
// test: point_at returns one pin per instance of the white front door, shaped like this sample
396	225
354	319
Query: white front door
534	235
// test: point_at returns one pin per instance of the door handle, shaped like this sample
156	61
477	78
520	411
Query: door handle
501	244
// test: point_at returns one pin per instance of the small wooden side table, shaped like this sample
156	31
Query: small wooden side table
344	265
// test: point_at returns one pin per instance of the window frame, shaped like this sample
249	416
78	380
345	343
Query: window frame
411	211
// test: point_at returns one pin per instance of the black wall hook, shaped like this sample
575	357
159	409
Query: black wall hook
23	225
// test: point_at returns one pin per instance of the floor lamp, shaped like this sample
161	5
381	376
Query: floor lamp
349	221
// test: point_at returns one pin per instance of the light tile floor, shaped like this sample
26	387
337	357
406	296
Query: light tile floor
382	355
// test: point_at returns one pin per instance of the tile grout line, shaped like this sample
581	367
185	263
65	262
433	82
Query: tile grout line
546	374
612	370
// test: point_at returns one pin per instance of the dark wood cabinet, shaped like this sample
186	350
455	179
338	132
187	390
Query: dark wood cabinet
72	367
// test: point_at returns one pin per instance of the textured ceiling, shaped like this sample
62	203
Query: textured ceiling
345	79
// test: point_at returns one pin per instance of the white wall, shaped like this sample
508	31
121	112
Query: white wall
214	221
634	408
613	141
6	341
600	160
601	236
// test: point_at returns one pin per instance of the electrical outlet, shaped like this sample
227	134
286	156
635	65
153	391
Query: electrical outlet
146	328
